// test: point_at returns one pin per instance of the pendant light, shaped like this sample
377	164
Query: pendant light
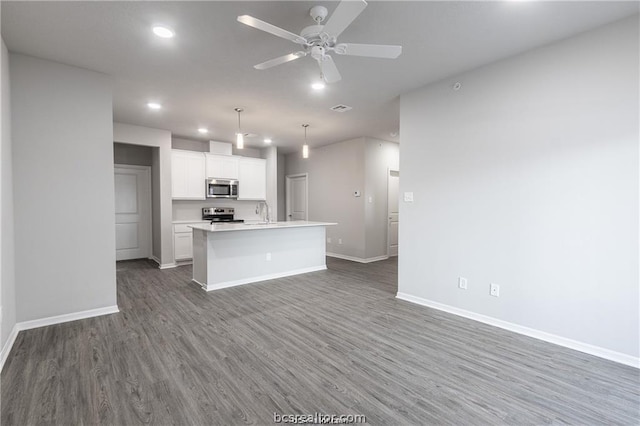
239	135
305	147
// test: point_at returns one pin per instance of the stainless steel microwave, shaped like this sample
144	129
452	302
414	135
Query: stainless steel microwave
222	188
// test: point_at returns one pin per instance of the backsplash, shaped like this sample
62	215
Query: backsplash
192	210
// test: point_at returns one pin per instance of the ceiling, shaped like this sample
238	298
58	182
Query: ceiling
206	71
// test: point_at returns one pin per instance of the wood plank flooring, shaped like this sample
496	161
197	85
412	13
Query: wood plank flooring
335	342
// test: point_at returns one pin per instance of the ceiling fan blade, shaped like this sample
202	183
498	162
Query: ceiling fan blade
271	29
280	60
329	70
371	50
345	13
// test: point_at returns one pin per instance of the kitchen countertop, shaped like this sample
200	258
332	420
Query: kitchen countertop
191	221
253	226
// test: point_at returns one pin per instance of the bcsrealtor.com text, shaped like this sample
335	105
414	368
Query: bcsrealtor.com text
319	418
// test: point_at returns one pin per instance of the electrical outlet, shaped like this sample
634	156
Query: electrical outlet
494	290
408	197
269	257
339	240
462	283
329	240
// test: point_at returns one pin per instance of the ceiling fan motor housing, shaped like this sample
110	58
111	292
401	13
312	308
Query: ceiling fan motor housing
318	13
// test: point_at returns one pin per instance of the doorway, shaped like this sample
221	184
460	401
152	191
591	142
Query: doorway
133	211
297	196
393	213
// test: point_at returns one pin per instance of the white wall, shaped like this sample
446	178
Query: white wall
7	269
335	172
528	177
380	156
160	141
63	163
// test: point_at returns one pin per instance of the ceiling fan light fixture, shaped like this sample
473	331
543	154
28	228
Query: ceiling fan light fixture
239	135
318	85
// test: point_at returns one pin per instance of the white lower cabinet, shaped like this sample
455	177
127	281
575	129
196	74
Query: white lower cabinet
183	241
183	246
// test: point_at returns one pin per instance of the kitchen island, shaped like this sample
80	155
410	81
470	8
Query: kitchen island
226	255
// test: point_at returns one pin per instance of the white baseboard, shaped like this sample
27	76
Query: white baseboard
168	265
8	345
531	332
226	284
358	259
43	322
163	265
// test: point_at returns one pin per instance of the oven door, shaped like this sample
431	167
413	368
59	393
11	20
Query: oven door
221	188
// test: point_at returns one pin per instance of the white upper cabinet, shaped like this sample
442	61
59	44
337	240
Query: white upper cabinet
187	175
252	179
222	166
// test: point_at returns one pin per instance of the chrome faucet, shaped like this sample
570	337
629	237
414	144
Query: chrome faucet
263	209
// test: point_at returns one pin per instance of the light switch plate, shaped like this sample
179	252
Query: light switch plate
408	197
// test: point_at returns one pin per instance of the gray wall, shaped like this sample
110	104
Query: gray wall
156	206
270	154
335	172
280	187
7	268
200	146
528	177
189	145
380	156
62	161
133	155
160	141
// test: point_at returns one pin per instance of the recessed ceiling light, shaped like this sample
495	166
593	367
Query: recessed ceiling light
267	141
164	32
154	105
203	130
318	85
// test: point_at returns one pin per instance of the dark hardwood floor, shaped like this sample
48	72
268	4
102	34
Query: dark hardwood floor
334	342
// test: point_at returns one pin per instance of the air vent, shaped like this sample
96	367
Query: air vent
340	108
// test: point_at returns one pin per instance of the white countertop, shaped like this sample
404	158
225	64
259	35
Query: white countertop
252	226
191	221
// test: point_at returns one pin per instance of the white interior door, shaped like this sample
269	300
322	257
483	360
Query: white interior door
297	197
133	212
393	193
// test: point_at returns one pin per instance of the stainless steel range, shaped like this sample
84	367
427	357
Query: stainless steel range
219	215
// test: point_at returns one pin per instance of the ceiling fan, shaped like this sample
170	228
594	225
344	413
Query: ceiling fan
318	40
